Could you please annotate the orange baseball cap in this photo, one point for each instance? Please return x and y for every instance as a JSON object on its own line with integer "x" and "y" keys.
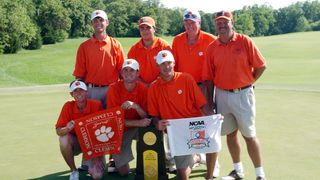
{"x": 224, "y": 15}
{"x": 147, "y": 21}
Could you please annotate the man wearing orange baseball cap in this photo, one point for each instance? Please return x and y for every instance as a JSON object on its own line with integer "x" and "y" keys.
{"x": 234, "y": 63}
{"x": 146, "y": 50}
{"x": 176, "y": 95}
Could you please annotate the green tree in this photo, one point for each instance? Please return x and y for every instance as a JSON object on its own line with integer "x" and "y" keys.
{"x": 263, "y": 19}
{"x": 243, "y": 22}
{"x": 302, "y": 25}
{"x": 208, "y": 23}
{"x": 79, "y": 12}
{"x": 16, "y": 27}
{"x": 53, "y": 20}
{"x": 175, "y": 21}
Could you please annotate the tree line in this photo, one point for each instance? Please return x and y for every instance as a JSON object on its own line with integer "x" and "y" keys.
{"x": 30, "y": 23}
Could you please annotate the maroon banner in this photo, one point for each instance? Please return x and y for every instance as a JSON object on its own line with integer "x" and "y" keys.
{"x": 100, "y": 133}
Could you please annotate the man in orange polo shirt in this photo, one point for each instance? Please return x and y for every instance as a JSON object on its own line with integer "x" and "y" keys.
{"x": 146, "y": 50}
{"x": 176, "y": 95}
{"x": 99, "y": 59}
{"x": 189, "y": 50}
{"x": 69, "y": 145}
{"x": 234, "y": 63}
{"x": 131, "y": 95}
{"x": 190, "y": 46}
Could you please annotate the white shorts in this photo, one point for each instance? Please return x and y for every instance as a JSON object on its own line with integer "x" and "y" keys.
{"x": 239, "y": 111}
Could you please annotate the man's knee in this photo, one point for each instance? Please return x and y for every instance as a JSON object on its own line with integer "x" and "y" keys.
{"x": 123, "y": 170}
{"x": 97, "y": 175}
{"x": 65, "y": 141}
{"x": 251, "y": 139}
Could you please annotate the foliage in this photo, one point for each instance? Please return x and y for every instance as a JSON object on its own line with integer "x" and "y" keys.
{"x": 16, "y": 27}
{"x": 49, "y": 21}
{"x": 53, "y": 20}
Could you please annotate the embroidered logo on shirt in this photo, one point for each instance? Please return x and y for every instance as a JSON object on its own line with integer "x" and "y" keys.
{"x": 200, "y": 53}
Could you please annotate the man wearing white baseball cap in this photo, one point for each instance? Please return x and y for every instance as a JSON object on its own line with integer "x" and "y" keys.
{"x": 131, "y": 95}
{"x": 98, "y": 62}
{"x": 99, "y": 59}
{"x": 176, "y": 95}
{"x": 69, "y": 146}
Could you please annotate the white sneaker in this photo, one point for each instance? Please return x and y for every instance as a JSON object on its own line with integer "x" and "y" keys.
{"x": 74, "y": 175}
{"x": 202, "y": 158}
{"x": 216, "y": 170}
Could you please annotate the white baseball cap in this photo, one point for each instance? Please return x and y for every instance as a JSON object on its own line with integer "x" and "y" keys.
{"x": 191, "y": 15}
{"x": 77, "y": 84}
{"x": 132, "y": 63}
{"x": 164, "y": 56}
{"x": 99, "y": 13}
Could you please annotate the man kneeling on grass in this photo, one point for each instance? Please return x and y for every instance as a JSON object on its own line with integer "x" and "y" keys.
{"x": 69, "y": 145}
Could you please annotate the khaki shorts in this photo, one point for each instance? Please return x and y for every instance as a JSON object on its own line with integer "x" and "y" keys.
{"x": 239, "y": 111}
{"x": 126, "y": 154}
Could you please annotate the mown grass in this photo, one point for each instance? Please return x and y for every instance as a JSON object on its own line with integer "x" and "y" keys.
{"x": 292, "y": 59}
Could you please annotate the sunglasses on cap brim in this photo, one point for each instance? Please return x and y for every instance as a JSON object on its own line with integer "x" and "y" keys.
{"x": 189, "y": 16}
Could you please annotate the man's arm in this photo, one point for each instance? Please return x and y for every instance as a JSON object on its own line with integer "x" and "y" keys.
{"x": 133, "y": 105}
{"x": 258, "y": 72}
{"x": 62, "y": 131}
{"x": 137, "y": 123}
{"x": 210, "y": 94}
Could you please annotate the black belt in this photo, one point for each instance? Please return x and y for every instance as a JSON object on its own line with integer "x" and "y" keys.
{"x": 90, "y": 85}
{"x": 238, "y": 89}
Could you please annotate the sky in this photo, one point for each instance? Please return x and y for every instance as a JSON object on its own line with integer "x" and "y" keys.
{"x": 211, "y": 6}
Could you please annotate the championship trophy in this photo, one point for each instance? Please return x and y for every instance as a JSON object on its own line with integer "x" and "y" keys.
{"x": 150, "y": 155}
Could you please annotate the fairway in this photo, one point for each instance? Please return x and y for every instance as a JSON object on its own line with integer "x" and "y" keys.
{"x": 33, "y": 88}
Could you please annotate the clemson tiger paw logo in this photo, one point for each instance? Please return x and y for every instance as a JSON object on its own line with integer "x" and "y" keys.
{"x": 104, "y": 134}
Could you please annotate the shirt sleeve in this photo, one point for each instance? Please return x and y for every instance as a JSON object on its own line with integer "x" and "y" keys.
{"x": 64, "y": 116}
{"x": 80, "y": 65}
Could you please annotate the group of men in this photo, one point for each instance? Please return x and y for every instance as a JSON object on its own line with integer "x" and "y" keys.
{"x": 202, "y": 74}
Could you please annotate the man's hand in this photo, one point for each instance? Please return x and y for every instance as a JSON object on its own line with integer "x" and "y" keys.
{"x": 70, "y": 125}
{"x": 162, "y": 125}
{"x": 129, "y": 105}
{"x": 144, "y": 122}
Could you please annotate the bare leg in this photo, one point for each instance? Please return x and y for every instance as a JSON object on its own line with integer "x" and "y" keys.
{"x": 211, "y": 161}
{"x": 66, "y": 151}
{"x": 234, "y": 146}
{"x": 183, "y": 174}
{"x": 123, "y": 170}
{"x": 254, "y": 150}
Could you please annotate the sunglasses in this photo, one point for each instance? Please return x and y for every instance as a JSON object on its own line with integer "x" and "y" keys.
{"x": 189, "y": 16}
{"x": 223, "y": 13}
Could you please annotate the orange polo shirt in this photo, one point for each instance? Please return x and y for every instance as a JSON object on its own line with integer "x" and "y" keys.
{"x": 99, "y": 62}
{"x": 190, "y": 59}
{"x": 117, "y": 95}
{"x": 146, "y": 58}
{"x": 70, "y": 112}
{"x": 178, "y": 98}
{"x": 231, "y": 65}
